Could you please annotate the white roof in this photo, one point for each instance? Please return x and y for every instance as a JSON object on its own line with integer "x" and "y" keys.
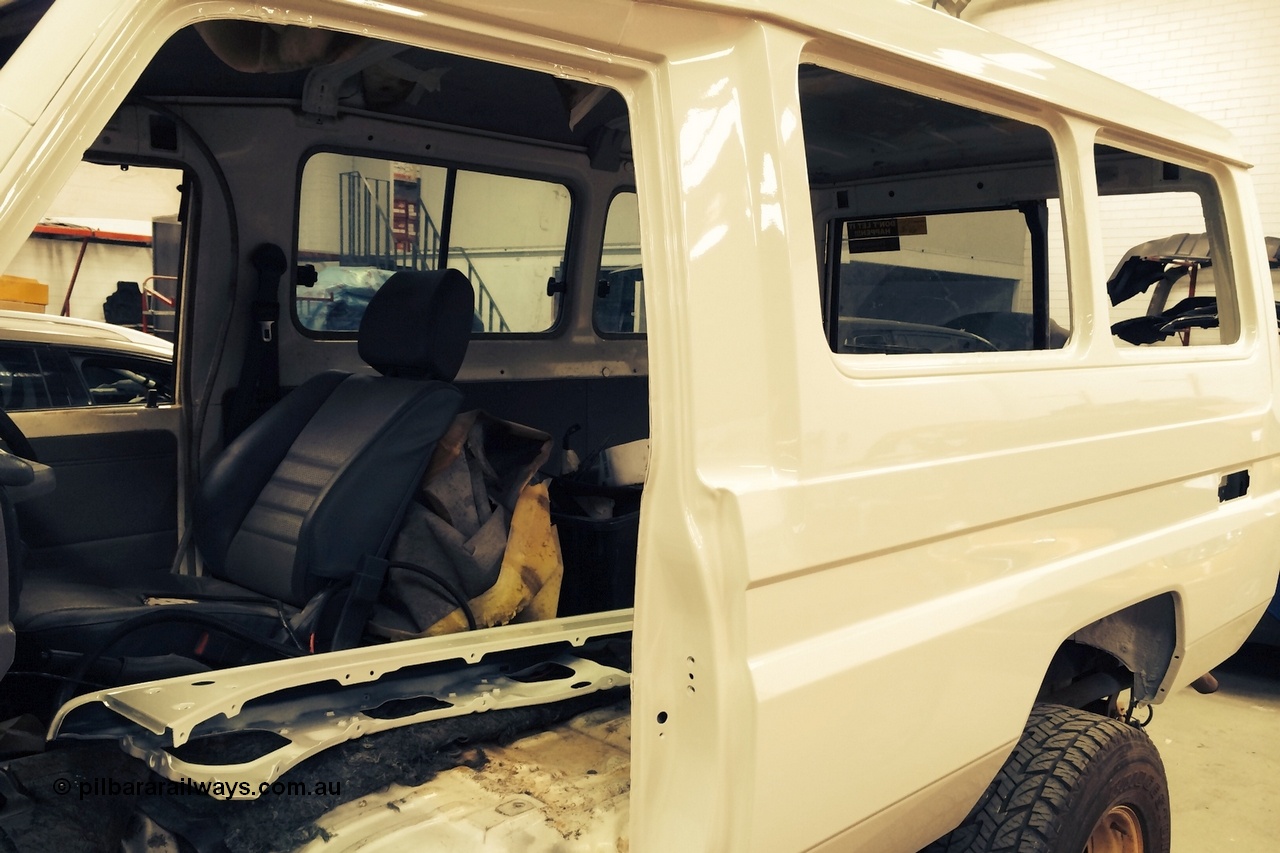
{"x": 71, "y": 331}
{"x": 907, "y": 28}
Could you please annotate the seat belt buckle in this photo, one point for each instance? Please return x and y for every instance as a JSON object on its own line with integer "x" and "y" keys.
{"x": 266, "y": 314}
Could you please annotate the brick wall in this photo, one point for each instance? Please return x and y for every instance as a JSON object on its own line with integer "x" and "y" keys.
{"x": 1220, "y": 60}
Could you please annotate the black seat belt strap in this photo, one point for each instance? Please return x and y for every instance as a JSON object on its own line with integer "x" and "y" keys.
{"x": 260, "y": 372}
{"x": 366, "y": 583}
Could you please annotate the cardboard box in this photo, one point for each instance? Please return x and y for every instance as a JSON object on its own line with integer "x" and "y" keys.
{"x": 15, "y": 288}
{"x": 13, "y": 305}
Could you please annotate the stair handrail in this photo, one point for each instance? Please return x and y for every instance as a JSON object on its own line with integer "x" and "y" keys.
{"x": 486, "y": 307}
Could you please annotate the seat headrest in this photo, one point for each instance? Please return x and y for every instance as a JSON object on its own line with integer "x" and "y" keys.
{"x": 418, "y": 325}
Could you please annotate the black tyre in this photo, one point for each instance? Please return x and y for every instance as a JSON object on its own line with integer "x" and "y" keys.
{"x": 1076, "y": 783}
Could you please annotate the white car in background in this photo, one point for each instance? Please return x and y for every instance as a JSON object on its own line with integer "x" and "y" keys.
{"x": 49, "y": 362}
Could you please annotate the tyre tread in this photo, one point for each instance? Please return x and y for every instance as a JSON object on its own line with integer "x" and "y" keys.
{"x": 1025, "y": 807}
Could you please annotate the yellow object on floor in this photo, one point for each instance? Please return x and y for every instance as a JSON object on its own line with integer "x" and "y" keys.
{"x": 528, "y": 584}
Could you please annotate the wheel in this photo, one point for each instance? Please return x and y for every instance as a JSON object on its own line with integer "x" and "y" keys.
{"x": 1075, "y": 783}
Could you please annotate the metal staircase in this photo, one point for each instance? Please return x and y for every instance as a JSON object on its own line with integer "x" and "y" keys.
{"x": 367, "y": 237}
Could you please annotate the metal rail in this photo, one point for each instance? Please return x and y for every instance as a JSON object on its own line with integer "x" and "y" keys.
{"x": 367, "y": 238}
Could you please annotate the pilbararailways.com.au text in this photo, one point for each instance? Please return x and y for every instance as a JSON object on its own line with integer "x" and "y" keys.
{"x": 100, "y": 787}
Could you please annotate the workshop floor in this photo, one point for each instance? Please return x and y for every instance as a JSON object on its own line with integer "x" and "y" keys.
{"x": 1222, "y": 756}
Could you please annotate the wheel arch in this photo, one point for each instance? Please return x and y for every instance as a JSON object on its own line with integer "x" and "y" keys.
{"x": 1137, "y": 644}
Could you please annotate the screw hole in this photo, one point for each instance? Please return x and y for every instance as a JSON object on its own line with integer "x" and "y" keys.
{"x": 662, "y": 717}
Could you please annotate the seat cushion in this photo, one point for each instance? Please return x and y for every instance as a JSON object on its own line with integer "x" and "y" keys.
{"x": 73, "y": 616}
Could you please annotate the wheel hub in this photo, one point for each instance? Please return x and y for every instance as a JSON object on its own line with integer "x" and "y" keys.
{"x": 1118, "y": 831}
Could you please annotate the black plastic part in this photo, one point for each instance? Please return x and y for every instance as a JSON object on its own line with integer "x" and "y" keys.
{"x": 1234, "y": 485}
{"x": 163, "y": 132}
{"x": 599, "y": 553}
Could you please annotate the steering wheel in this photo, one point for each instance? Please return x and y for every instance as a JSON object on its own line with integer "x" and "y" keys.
{"x": 12, "y": 435}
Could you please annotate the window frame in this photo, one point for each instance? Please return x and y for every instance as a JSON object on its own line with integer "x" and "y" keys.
{"x": 563, "y": 309}
{"x": 1068, "y": 179}
{"x": 1039, "y": 269}
{"x": 595, "y": 291}
{"x": 1216, "y": 226}
{"x": 79, "y": 355}
{"x": 65, "y": 364}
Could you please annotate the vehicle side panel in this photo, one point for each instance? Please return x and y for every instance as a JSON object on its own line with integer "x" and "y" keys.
{"x": 896, "y": 549}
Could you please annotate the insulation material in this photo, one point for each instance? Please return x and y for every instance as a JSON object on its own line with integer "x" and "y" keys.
{"x": 478, "y": 528}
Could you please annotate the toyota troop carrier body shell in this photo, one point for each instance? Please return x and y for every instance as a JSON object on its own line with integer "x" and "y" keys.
{"x": 903, "y": 481}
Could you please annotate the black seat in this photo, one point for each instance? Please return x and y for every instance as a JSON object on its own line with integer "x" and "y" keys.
{"x": 294, "y": 504}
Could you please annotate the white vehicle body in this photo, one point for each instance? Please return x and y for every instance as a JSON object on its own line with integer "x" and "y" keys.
{"x": 854, "y": 570}
{"x": 25, "y": 326}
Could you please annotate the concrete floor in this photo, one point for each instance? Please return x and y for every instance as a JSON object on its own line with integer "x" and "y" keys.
{"x": 1222, "y": 756}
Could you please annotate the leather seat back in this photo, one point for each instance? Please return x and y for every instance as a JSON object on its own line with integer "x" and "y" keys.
{"x": 323, "y": 478}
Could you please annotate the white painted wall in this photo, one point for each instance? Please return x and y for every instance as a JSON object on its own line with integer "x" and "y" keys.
{"x": 52, "y": 262}
{"x": 106, "y": 198}
{"x": 1220, "y": 60}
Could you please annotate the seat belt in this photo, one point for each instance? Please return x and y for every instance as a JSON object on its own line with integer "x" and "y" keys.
{"x": 259, "y": 385}
{"x": 366, "y": 583}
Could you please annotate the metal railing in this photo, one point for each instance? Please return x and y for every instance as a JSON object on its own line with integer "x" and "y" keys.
{"x": 366, "y": 237}
{"x": 149, "y": 297}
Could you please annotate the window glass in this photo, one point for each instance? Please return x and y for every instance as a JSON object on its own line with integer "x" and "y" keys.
{"x": 1171, "y": 282}
{"x": 364, "y": 218}
{"x": 619, "y": 305}
{"x": 62, "y": 378}
{"x": 950, "y": 282}
{"x": 942, "y": 222}
{"x": 116, "y": 380}
{"x": 47, "y": 376}
{"x": 22, "y": 382}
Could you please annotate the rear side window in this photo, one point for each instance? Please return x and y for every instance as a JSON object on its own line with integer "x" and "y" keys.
{"x": 363, "y": 218}
{"x": 1171, "y": 283}
{"x": 942, "y": 223}
{"x": 619, "y": 308}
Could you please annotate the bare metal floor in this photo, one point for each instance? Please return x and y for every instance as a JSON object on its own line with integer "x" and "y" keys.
{"x": 1222, "y": 756}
